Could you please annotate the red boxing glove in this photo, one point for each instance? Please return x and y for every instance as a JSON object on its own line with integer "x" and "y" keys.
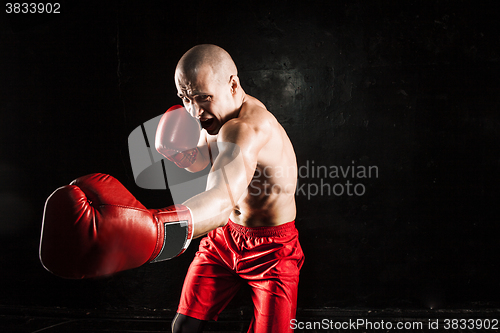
{"x": 177, "y": 136}
{"x": 95, "y": 227}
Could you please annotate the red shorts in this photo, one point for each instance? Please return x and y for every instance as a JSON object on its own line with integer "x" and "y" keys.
{"x": 268, "y": 259}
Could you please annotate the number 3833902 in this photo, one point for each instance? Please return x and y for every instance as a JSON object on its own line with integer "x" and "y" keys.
{"x": 32, "y": 8}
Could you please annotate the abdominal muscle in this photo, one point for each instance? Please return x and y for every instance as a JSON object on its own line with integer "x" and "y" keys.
{"x": 264, "y": 210}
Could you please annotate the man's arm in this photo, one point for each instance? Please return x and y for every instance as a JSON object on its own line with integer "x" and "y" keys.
{"x": 239, "y": 144}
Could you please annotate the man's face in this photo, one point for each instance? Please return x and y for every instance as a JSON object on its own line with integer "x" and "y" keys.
{"x": 205, "y": 97}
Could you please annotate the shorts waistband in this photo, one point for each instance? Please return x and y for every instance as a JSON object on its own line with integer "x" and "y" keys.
{"x": 280, "y": 230}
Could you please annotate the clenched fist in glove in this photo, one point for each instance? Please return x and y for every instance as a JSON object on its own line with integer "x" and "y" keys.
{"x": 95, "y": 227}
{"x": 177, "y": 136}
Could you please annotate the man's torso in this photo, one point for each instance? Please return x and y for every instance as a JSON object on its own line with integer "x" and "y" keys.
{"x": 270, "y": 199}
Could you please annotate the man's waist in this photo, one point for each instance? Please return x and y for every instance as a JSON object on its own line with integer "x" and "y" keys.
{"x": 263, "y": 231}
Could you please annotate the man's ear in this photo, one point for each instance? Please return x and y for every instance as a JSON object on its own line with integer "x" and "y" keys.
{"x": 234, "y": 81}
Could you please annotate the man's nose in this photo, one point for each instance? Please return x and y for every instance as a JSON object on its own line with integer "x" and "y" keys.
{"x": 196, "y": 111}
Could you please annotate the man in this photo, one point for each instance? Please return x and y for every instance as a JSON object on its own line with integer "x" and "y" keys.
{"x": 248, "y": 208}
{"x": 95, "y": 227}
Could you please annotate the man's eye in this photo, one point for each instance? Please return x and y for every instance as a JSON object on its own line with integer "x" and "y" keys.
{"x": 186, "y": 100}
{"x": 204, "y": 98}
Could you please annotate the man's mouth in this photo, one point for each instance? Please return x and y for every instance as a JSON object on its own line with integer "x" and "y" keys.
{"x": 207, "y": 123}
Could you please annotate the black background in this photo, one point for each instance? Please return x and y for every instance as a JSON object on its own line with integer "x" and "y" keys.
{"x": 409, "y": 87}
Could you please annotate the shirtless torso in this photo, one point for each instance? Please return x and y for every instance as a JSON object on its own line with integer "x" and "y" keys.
{"x": 270, "y": 199}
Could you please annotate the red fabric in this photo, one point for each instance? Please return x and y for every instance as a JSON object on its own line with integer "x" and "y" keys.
{"x": 267, "y": 258}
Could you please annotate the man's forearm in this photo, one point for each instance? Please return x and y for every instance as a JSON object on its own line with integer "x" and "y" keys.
{"x": 210, "y": 209}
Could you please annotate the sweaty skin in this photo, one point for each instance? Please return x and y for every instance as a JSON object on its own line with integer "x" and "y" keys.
{"x": 254, "y": 172}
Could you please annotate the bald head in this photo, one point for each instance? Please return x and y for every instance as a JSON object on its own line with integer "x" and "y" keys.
{"x": 207, "y": 57}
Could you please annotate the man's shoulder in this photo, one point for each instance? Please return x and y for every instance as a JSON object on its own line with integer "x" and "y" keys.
{"x": 254, "y": 122}
{"x": 255, "y": 115}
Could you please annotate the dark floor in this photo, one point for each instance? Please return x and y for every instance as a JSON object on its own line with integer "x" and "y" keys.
{"x": 308, "y": 320}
